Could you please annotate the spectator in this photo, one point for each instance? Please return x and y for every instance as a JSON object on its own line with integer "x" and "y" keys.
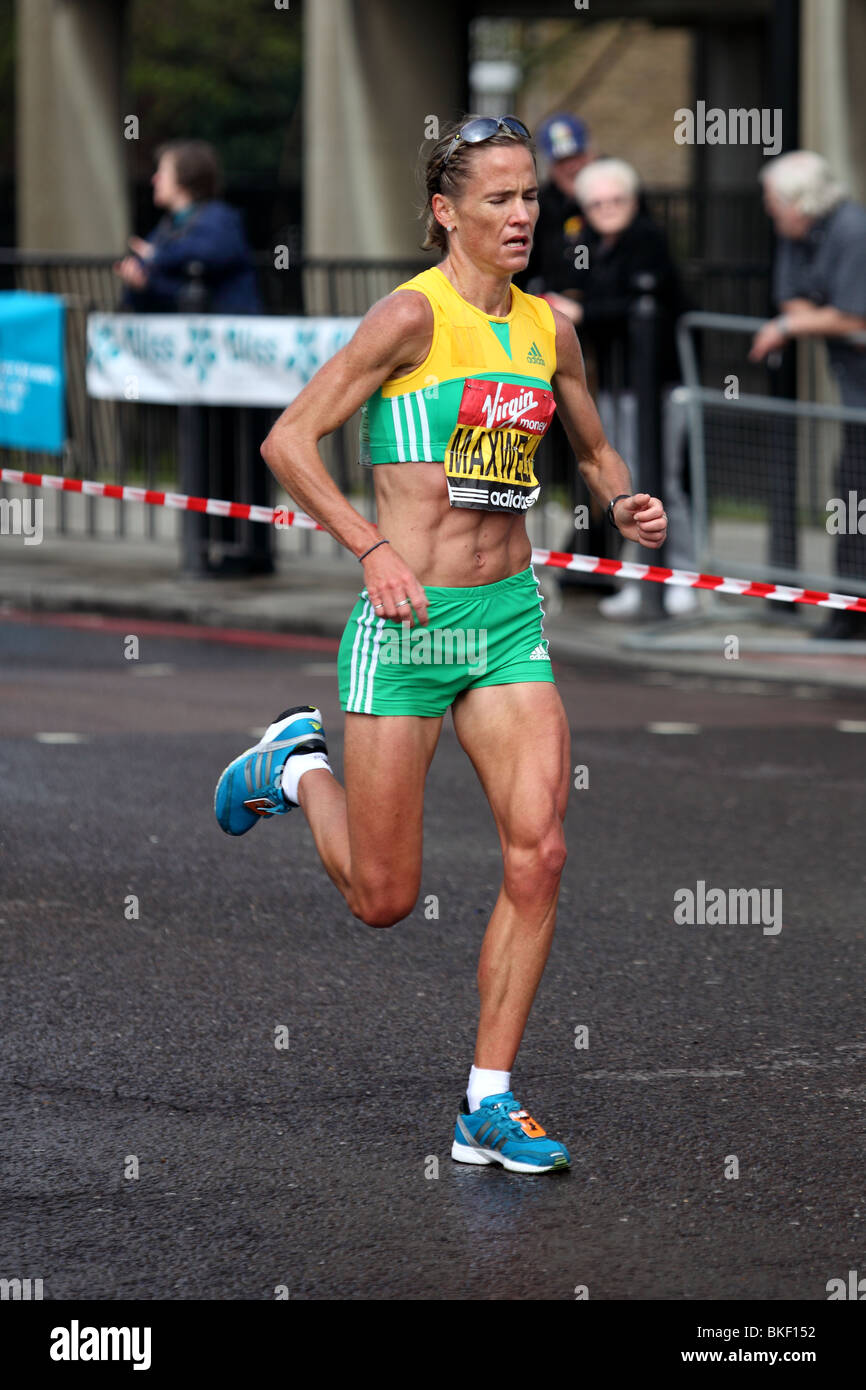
{"x": 197, "y": 229}
{"x": 625, "y": 246}
{"x": 196, "y": 260}
{"x": 819, "y": 283}
{"x": 564, "y": 141}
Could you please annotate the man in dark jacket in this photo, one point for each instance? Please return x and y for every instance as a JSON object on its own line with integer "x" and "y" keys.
{"x": 197, "y": 256}
{"x": 564, "y": 142}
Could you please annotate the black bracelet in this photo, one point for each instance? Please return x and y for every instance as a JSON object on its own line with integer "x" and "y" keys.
{"x": 612, "y": 504}
{"x": 372, "y": 548}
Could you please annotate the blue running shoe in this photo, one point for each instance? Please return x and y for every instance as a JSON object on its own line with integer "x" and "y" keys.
{"x": 501, "y": 1131}
{"x": 250, "y": 786}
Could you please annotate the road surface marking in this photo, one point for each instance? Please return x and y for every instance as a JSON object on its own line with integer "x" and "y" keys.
{"x": 673, "y": 728}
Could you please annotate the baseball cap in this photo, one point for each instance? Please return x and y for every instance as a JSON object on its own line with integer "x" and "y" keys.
{"x": 562, "y": 135}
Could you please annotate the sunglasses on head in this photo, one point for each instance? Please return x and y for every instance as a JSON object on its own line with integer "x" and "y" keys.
{"x": 484, "y": 128}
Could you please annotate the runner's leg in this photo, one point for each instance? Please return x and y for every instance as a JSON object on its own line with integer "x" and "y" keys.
{"x": 527, "y": 788}
{"x": 369, "y": 834}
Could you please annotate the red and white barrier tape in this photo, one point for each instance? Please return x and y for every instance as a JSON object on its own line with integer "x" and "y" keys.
{"x": 555, "y": 559}
{"x": 243, "y": 511}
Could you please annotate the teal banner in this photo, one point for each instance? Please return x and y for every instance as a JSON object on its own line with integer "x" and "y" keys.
{"x": 32, "y": 384}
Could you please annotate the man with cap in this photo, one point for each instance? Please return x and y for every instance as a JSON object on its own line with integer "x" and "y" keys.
{"x": 564, "y": 142}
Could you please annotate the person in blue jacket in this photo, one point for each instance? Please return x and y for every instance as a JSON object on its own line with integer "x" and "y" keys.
{"x": 197, "y": 257}
{"x": 197, "y": 260}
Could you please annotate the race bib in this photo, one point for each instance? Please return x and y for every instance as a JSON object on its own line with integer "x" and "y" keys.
{"x": 489, "y": 458}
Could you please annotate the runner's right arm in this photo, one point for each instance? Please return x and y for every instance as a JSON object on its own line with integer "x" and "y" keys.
{"x": 395, "y": 333}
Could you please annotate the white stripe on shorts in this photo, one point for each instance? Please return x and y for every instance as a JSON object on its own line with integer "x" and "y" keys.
{"x": 362, "y": 677}
{"x": 540, "y": 594}
{"x": 367, "y": 613}
{"x": 374, "y": 659}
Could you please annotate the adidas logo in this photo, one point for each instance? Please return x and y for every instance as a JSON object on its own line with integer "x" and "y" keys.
{"x": 540, "y": 653}
{"x": 535, "y": 356}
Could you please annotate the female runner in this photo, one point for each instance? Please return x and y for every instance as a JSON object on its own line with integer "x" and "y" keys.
{"x": 459, "y": 373}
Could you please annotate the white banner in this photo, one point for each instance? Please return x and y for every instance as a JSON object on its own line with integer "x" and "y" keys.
{"x": 213, "y": 359}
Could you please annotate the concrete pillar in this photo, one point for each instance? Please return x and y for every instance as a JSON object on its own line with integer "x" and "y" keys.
{"x": 729, "y": 75}
{"x": 374, "y": 73}
{"x": 826, "y": 96}
{"x": 833, "y": 108}
{"x": 854, "y": 54}
{"x": 70, "y": 149}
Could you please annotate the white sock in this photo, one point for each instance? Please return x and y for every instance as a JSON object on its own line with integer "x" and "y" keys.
{"x": 485, "y": 1083}
{"x": 295, "y": 768}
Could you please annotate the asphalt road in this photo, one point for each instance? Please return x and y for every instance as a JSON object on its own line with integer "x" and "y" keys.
{"x": 148, "y": 1044}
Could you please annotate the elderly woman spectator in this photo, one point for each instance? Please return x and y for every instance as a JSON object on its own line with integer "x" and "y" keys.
{"x": 625, "y": 248}
{"x": 819, "y": 283}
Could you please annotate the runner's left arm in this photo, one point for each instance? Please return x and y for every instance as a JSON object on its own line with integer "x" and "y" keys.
{"x": 638, "y": 516}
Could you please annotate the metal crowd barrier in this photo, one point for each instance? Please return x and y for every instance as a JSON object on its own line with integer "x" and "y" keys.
{"x": 139, "y": 443}
{"x": 765, "y": 469}
{"x": 143, "y": 443}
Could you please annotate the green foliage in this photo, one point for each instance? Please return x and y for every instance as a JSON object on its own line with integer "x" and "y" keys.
{"x": 227, "y": 71}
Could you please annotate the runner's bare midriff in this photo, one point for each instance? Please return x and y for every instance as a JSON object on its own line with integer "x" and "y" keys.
{"x": 444, "y": 545}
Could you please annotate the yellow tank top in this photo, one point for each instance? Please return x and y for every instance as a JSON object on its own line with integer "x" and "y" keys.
{"x": 479, "y": 403}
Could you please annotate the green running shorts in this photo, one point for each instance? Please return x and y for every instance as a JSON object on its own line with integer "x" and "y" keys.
{"x": 487, "y": 634}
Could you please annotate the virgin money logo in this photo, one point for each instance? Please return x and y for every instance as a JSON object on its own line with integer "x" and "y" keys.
{"x": 501, "y": 405}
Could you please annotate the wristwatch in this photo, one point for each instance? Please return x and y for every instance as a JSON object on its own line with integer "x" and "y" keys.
{"x": 610, "y": 506}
